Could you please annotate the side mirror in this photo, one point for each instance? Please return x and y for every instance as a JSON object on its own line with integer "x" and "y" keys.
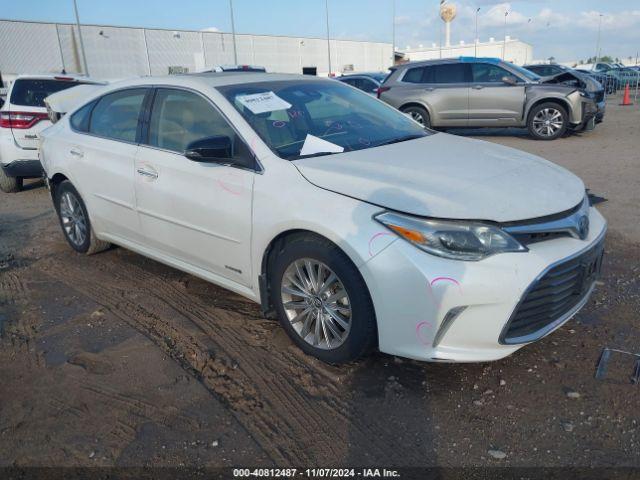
{"x": 211, "y": 149}
{"x": 221, "y": 149}
{"x": 509, "y": 80}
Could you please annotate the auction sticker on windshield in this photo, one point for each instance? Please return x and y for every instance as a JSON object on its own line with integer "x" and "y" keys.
{"x": 263, "y": 102}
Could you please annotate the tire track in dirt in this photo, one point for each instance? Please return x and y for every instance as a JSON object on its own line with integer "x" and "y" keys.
{"x": 262, "y": 386}
{"x": 308, "y": 379}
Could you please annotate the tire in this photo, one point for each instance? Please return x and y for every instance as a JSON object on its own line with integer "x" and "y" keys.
{"x": 72, "y": 213}
{"x": 419, "y": 114}
{"x": 9, "y": 184}
{"x": 335, "y": 343}
{"x": 551, "y": 112}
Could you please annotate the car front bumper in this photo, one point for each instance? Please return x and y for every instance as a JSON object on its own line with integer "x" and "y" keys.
{"x": 435, "y": 309}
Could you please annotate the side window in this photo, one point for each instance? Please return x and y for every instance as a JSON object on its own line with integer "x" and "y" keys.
{"x": 413, "y": 75}
{"x": 179, "y": 118}
{"x": 349, "y": 81}
{"x": 80, "y": 120}
{"x": 116, "y": 115}
{"x": 450, "y": 73}
{"x": 487, "y": 73}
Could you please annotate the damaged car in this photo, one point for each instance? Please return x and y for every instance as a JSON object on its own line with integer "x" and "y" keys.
{"x": 487, "y": 92}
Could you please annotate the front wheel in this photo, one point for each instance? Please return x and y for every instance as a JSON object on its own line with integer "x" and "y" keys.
{"x": 322, "y": 301}
{"x": 9, "y": 184}
{"x": 547, "y": 121}
{"x": 74, "y": 220}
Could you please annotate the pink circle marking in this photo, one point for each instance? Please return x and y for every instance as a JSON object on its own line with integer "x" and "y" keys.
{"x": 419, "y": 327}
{"x": 232, "y": 189}
{"x": 379, "y": 234}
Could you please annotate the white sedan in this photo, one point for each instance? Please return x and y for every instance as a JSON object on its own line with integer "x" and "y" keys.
{"x": 354, "y": 225}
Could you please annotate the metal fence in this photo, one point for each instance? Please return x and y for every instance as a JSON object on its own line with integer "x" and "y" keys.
{"x": 117, "y": 52}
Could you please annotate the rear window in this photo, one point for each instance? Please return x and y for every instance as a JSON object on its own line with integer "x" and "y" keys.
{"x": 32, "y": 92}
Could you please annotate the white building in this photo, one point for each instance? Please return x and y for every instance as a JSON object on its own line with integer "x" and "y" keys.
{"x": 515, "y": 51}
{"x": 119, "y": 52}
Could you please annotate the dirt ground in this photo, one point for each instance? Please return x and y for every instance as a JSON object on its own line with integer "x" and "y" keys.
{"x": 117, "y": 360}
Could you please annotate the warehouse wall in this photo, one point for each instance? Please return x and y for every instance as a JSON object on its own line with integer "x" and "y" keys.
{"x": 117, "y": 52}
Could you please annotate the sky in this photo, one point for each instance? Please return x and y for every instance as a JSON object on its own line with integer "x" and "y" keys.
{"x": 564, "y": 29}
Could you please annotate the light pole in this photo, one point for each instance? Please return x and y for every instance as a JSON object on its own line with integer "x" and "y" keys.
{"x": 598, "y": 42}
{"x": 393, "y": 33}
{"x": 326, "y": 6}
{"x": 504, "y": 44}
{"x": 84, "y": 56}
{"x": 233, "y": 33}
{"x": 475, "y": 41}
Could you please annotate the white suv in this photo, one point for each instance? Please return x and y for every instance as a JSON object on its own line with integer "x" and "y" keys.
{"x": 22, "y": 117}
{"x": 346, "y": 218}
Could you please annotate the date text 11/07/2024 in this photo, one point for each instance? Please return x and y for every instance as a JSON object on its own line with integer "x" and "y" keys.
{"x": 315, "y": 473}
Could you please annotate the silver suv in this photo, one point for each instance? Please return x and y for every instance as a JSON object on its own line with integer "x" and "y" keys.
{"x": 486, "y": 92}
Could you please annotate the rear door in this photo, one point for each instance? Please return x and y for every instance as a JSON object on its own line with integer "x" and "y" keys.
{"x": 493, "y": 102}
{"x": 103, "y": 151}
{"x": 197, "y": 213}
{"x": 27, "y": 109}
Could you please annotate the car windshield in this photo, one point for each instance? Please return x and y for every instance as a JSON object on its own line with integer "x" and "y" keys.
{"x": 300, "y": 119}
{"x": 534, "y": 77}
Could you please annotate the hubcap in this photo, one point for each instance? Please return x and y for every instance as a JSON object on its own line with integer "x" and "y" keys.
{"x": 417, "y": 117}
{"x": 73, "y": 220}
{"x": 316, "y": 303}
{"x": 547, "y": 122}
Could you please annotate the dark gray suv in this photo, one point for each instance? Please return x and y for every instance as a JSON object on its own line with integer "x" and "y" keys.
{"x": 486, "y": 92}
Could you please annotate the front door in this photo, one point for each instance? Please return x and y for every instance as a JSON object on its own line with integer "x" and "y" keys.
{"x": 492, "y": 101}
{"x": 197, "y": 213}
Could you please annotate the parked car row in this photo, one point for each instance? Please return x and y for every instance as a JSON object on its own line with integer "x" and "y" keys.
{"x": 618, "y": 76}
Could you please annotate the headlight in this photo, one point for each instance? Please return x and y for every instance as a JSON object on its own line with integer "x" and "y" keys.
{"x": 451, "y": 239}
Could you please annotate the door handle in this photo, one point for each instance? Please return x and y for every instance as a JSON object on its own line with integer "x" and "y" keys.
{"x": 76, "y": 152}
{"x": 147, "y": 173}
{"x": 478, "y": 87}
{"x": 429, "y": 89}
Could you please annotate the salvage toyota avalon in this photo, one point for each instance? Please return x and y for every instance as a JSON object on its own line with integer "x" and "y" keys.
{"x": 346, "y": 219}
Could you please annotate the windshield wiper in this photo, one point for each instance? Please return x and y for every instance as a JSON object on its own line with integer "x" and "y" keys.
{"x": 400, "y": 139}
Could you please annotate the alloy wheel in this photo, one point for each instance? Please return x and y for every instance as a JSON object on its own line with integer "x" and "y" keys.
{"x": 548, "y": 122}
{"x": 417, "y": 116}
{"x": 316, "y": 303}
{"x": 73, "y": 219}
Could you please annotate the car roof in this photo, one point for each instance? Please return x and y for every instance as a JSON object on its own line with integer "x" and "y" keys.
{"x": 55, "y": 76}
{"x": 364, "y": 74}
{"x": 439, "y": 61}
{"x": 214, "y": 79}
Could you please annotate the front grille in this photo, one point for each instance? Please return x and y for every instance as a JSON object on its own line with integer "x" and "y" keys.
{"x": 553, "y": 295}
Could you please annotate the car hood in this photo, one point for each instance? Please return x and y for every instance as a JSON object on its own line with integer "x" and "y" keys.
{"x": 586, "y": 83}
{"x": 446, "y": 176}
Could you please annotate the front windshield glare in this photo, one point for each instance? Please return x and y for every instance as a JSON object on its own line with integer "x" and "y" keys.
{"x": 300, "y": 119}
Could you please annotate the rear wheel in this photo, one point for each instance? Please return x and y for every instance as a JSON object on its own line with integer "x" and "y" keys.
{"x": 9, "y": 184}
{"x": 321, "y": 299}
{"x": 74, "y": 220}
{"x": 419, "y": 114}
{"x": 547, "y": 121}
